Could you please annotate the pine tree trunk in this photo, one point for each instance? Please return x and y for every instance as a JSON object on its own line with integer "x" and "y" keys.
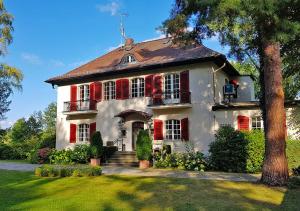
{"x": 275, "y": 167}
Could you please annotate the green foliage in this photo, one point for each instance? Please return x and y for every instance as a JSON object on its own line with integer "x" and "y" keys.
{"x": 97, "y": 143}
{"x": 228, "y": 152}
{"x": 189, "y": 160}
{"x": 49, "y": 118}
{"x": 143, "y": 145}
{"x": 19, "y": 131}
{"x": 294, "y": 183}
{"x": 255, "y": 150}
{"x": 80, "y": 154}
{"x": 67, "y": 171}
{"x": 61, "y": 157}
{"x": 296, "y": 171}
{"x": 293, "y": 153}
{"x": 7, "y": 152}
{"x": 47, "y": 139}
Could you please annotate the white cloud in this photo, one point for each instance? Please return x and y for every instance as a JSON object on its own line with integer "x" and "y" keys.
{"x": 112, "y": 7}
{"x": 31, "y": 58}
{"x": 6, "y": 124}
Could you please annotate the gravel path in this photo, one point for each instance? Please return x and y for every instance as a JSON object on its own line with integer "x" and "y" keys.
{"x": 151, "y": 172}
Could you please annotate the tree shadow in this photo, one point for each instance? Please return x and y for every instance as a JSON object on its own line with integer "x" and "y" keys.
{"x": 21, "y": 190}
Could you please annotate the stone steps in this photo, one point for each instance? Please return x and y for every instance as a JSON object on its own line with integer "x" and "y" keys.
{"x": 122, "y": 158}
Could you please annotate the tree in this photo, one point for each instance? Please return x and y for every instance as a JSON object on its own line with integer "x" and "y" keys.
{"x": 19, "y": 131}
{"x": 49, "y": 118}
{"x": 257, "y": 30}
{"x": 10, "y": 77}
{"x": 34, "y": 123}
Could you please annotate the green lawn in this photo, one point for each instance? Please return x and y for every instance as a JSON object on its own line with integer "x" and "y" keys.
{"x": 23, "y": 191}
{"x": 14, "y": 161}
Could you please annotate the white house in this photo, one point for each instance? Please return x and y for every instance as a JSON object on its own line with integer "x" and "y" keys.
{"x": 182, "y": 94}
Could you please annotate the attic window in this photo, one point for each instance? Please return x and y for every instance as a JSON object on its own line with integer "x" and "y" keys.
{"x": 128, "y": 59}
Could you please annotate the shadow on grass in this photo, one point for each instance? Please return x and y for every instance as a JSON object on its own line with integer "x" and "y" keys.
{"x": 21, "y": 190}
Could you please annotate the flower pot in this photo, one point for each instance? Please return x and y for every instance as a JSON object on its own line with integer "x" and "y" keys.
{"x": 144, "y": 164}
{"x": 95, "y": 161}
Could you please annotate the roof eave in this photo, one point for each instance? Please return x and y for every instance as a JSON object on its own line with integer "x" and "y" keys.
{"x": 217, "y": 59}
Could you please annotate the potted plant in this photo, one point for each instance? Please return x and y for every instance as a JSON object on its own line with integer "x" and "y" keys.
{"x": 144, "y": 149}
{"x": 96, "y": 148}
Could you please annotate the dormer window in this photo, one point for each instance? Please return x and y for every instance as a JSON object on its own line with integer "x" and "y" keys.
{"x": 127, "y": 59}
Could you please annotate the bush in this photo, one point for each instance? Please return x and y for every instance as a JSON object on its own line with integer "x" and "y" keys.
{"x": 293, "y": 153}
{"x": 67, "y": 171}
{"x": 7, "y": 152}
{"x": 97, "y": 143}
{"x": 143, "y": 145}
{"x": 190, "y": 160}
{"x": 228, "y": 152}
{"x": 80, "y": 154}
{"x": 255, "y": 150}
{"x": 47, "y": 140}
{"x": 61, "y": 157}
{"x": 296, "y": 171}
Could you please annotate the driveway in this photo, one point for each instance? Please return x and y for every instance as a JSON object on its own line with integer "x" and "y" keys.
{"x": 131, "y": 171}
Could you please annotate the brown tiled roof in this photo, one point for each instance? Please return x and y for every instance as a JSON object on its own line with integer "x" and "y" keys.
{"x": 161, "y": 52}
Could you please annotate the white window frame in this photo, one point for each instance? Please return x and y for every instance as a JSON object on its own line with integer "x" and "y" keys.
{"x": 172, "y": 88}
{"x": 128, "y": 59}
{"x": 172, "y": 129}
{"x": 83, "y": 97}
{"x": 83, "y": 133}
{"x": 256, "y": 122}
{"x": 137, "y": 87}
{"x": 109, "y": 90}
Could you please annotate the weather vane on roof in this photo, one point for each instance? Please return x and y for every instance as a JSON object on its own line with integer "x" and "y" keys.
{"x": 122, "y": 29}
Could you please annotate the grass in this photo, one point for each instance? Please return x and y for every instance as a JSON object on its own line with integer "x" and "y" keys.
{"x": 14, "y": 161}
{"x": 23, "y": 191}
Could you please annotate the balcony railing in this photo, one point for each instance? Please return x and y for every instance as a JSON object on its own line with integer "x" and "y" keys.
{"x": 80, "y": 105}
{"x": 169, "y": 98}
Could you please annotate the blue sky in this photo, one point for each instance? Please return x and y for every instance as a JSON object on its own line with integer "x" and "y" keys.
{"x": 52, "y": 37}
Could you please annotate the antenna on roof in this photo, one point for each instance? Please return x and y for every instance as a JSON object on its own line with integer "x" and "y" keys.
{"x": 122, "y": 29}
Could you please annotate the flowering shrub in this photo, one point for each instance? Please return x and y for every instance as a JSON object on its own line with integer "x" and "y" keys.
{"x": 61, "y": 157}
{"x": 192, "y": 161}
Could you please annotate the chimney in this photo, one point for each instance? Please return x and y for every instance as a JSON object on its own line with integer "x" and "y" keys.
{"x": 129, "y": 44}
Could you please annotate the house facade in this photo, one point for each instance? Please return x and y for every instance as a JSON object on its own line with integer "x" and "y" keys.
{"x": 181, "y": 94}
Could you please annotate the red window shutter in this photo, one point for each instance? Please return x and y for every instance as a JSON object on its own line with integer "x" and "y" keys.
{"x": 157, "y": 90}
{"x": 73, "y": 98}
{"x": 184, "y": 129}
{"x": 149, "y": 85}
{"x": 72, "y": 133}
{"x": 92, "y": 129}
{"x": 92, "y": 96}
{"x": 125, "y": 88}
{"x": 119, "y": 89}
{"x": 98, "y": 91}
{"x": 243, "y": 122}
{"x": 184, "y": 87}
{"x": 158, "y": 129}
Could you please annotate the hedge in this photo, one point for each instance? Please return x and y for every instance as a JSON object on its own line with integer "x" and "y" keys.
{"x": 67, "y": 171}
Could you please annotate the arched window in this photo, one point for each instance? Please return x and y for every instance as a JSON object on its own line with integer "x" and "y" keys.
{"x": 138, "y": 87}
{"x": 127, "y": 59}
{"x": 173, "y": 129}
{"x": 83, "y": 132}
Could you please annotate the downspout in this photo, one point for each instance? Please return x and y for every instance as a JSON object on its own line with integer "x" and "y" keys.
{"x": 214, "y": 90}
{"x": 214, "y": 80}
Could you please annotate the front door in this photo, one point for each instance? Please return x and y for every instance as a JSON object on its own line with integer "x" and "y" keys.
{"x": 136, "y": 127}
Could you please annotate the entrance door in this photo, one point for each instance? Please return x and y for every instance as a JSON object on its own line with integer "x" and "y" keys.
{"x": 136, "y": 127}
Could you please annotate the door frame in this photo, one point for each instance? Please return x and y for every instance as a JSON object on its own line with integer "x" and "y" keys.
{"x": 133, "y": 142}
